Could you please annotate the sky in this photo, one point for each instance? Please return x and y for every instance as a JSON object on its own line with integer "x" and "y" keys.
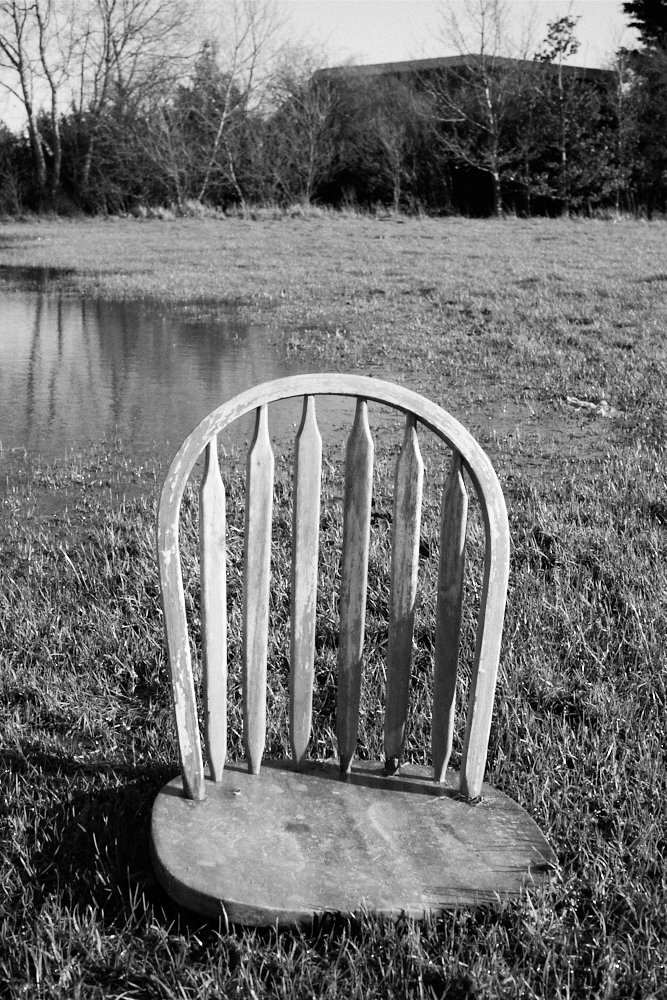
{"x": 370, "y": 31}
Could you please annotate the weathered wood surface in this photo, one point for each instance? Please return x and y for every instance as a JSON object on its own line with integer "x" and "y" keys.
{"x": 408, "y": 488}
{"x": 288, "y": 846}
{"x": 305, "y": 539}
{"x": 178, "y": 644}
{"x": 212, "y": 557}
{"x": 485, "y": 483}
{"x": 449, "y": 608}
{"x": 256, "y": 582}
{"x": 291, "y": 845}
{"x": 353, "y": 584}
{"x": 487, "y": 648}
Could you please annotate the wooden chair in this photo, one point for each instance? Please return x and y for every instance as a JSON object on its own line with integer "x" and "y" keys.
{"x": 305, "y": 836}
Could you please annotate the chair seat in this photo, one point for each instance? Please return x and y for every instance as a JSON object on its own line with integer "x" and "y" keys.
{"x": 287, "y": 846}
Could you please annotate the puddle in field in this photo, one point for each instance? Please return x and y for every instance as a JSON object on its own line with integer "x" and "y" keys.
{"x": 77, "y": 372}
{"x": 74, "y": 371}
{"x": 136, "y": 377}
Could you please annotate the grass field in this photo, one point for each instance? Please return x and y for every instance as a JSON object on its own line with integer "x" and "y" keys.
{"x": 514, "y": 326}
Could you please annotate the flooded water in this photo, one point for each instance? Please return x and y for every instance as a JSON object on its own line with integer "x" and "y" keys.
{"x": 77, "y": 371}
{"x": 137, "y": 377}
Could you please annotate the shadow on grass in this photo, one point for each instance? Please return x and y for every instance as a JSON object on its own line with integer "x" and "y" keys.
{"x": 90, "y": 839}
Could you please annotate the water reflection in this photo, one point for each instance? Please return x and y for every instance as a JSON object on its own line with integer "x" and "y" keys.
{"x": 75, "y": 371}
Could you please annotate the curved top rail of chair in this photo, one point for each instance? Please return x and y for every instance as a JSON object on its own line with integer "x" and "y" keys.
{"x": 496, "y": 561}
{"x": 438, "y": 420}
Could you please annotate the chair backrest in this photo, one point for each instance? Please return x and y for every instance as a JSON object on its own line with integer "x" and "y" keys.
{"x": 466, "y": 455}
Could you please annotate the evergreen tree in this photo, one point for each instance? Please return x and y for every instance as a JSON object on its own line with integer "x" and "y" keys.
{"x": 650, "y": 19}
{"x": 650, "y": 66}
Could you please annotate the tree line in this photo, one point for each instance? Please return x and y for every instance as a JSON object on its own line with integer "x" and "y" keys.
{"x": 120, "y": 114}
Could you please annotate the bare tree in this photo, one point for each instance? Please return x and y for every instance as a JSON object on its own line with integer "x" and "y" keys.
{"x": 127, "y": 52}
{"x": 24, "y": 57}
{"x": 398, "y": 108}
{"x": 300, "y": 138}
{"x": 248, "y": 36}
{"x": 474, "y": 100}
{"x": 558, "y": 46}
{"x": 91, "y": 55}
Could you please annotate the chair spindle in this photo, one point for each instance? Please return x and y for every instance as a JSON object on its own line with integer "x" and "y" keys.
{"x": 448, "y": 615}
{"x": 214, "y": 609}
{"x": 352, "y": 600}
{"x": 305, "y": 540}
{"x": 256, "y": 573}
{"x": 408, "y": 488}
